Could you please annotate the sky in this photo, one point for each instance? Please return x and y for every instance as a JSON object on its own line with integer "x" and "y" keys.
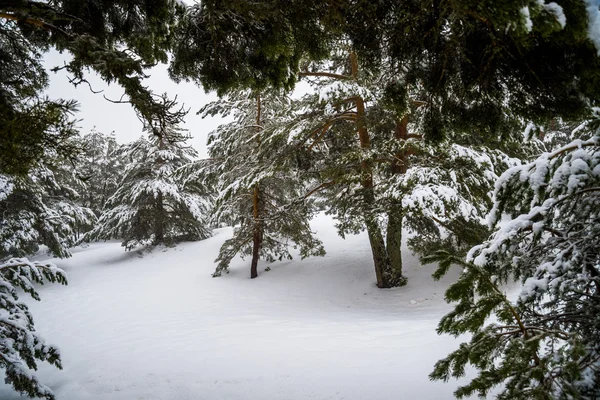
{"x": 95, "y": 112}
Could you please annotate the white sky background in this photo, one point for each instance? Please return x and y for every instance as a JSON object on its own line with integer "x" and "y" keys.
{"x": 107, "y": 117}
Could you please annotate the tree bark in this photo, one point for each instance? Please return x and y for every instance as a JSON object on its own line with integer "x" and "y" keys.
{"x": 394, "y": 246}
{"x": 159, "y": 222}
{"x": 395, "y": 217}
{"x": 380, "y": 257}
{"x": 257, "y": 234}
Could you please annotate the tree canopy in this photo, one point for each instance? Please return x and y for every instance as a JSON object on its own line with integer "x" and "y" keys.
{"x": 472, "y": 60}
{"x": 116, "y": 39}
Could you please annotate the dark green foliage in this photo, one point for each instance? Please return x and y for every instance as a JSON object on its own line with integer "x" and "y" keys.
{"x": 29, "y": 123}
{"x": 33, "y": 127}
{"x": 94, "y": 33}
{"x": 234, "y": 44}
{"x": 472, "y": 60}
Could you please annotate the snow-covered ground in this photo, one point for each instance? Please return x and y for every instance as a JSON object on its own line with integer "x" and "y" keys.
{"x": 133, "y": 325}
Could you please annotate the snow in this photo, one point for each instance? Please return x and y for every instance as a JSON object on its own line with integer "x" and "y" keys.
{"x": 593, "y": 10}
{"x": 139, "y": 325}
{"x": 557, "y": 10}
{"x": 552, "y": 8}
{"x": 527, "y": 17}
{"x": 530, "y": 126}
{"x": 6, "y": 187}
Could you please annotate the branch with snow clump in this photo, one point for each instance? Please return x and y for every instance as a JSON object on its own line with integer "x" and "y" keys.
{"x": 20, "y": 345}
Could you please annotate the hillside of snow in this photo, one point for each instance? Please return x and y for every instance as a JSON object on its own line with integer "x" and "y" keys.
{"x": 156, "y": 325}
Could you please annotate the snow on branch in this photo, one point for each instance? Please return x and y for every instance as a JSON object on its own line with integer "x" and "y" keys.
{"x": 20, "y": 346}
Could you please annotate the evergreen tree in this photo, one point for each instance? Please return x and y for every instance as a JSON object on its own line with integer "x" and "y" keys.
{"x": 37, "y": 209}
{"x": 116, "y": 39}
{"x": 21, "y": 347}
{"x": 340, "y": 108}
{"x": 41, "y": 208}
{"x": 377, "y": 173}
{"x": 228, "y": 45}
{"x": 152, "y": 205}
{"x": 544, "y": 344}
{"x": 444, "y": 194}
{"x": 471, "y": 58}
{"x": 100, "y": 168}
{"x": 30, "y": 124}
{"x": 259, "y": 187}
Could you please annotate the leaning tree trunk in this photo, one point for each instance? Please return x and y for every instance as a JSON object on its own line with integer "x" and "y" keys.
{"x": 257, "y": 234}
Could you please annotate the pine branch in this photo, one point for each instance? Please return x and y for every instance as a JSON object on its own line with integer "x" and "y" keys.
{"x": 35, "y": 22}
{"x": 325, "y": 75}
{"x": 319, "y": 188}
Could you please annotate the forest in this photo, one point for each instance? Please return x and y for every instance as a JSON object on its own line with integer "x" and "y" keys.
{"x": 461, "y": 134}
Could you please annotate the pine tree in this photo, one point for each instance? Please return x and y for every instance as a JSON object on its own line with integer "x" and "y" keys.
{"x": 118, "y": 40}
{"x": 333, "y": 125}
{"x": 443, "y": 190}
{"x": 100, "y": 168}
{"x": 31, "y": 123}
{"x": 258, "y": 183}
{"x": 152, "y": 205}
{"x": 253, "y": 45}
{"x": 41, "y": 208}
{"x": 378, "y": 173}
{"x": 469, "y": 57}
{"x": 544, "y": 344}
{"x": 22, "y": 347}
{"x": 37, "y": 209}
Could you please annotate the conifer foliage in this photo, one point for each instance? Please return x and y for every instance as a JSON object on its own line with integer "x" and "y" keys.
{"x": 545, "y": 344}
{"x": 41, "y": 208}
{"x": 20, "y": 346}
{"x": 116, "y": 39}
{"x": 152, "y": 205}
{"x": 99, "y": 167}
{"x": 377, "y": 173}
{"x": 256, "y": 173}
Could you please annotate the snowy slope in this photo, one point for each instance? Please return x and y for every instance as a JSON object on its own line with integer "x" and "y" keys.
{"x": 156, "y": 326}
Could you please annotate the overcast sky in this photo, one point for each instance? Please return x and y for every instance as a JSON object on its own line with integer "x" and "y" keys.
{"x": 121, "y": 119}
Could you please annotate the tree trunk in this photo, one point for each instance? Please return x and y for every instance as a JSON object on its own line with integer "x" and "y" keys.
{"x": 395, "y": 217}
{"x": 381, "y": 260}
{"x": 394, "y": 246}
{"x": 380, "y": 257}
{"x": 257, "y": 234}
{"x": 159, "y": 222}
